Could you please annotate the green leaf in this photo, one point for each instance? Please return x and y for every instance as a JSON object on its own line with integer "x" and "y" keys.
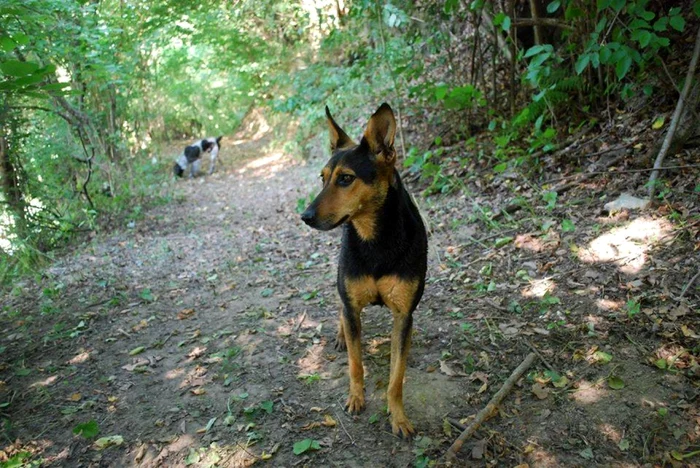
{"x": 374, "y": 418}
{"x": 602, "y": 357}
{"x": 192, "y": 457}
{"x": 618, "y": 5}
{"x": 623, "y": 66}
{"x": 647, "y": 15}
{"x": 568, "y": 226}
{"x": 104, "y": 442}
{"x": 441, "y": 92}
{"x": 616, "y": 383}
{"x": 88, "y": 430}
{"x": 267, "y": 292}
{"x": 677, "y": 22}
{"x": 304, "y": 445}
{"x": 18, "y": 68}
{"x": 602, "y": 5}
{"x": 137, "y": 350}
{"x": 498, "y": 168}
{"x": 146, "y": 295}
{"x": 582, "y": 63}
{"x": 210, "y": 424}
{"x": 6, "y": 44}
{"x": 501, "y": 241}
{"x": 660, "y": 24}
{"x": 267, "y": 406}
{"x": 624, "y": 445}
{"x": 553, "y": 6}
{"x": 587, "y": 453}
{"x": 661, "y": 363}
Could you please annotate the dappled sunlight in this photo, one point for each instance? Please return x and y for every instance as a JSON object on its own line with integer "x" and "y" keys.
{"x": 627, "y": 246}
{"x": 541, "y": 456}
{"x": 539, "y": 287}
{"x": 313, "y": 361}
{"x": 611, "y": 432}
{"x": 609, "y": 305}
{"x": 45, "y": 382}
{"x": 375, "y": 344}
{"x": 175, "y": 373}
{"x": 588, "y": 393}
{"x": 79, "y": 358}
{"x": 266, "y": 166}
{"x": 195, "y": 377}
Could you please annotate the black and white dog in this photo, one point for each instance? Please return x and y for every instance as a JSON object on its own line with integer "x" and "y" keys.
{"x": 192, "y": 156}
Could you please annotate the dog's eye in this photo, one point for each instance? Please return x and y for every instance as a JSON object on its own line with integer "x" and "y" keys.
{"x": 345, "y": 179}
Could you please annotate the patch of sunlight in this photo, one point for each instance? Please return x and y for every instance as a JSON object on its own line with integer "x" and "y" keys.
{"x": 539, "y": 287}
{"x": 80, "y": 358}
{"x": 267, "y": 166}
{"x": 6, "y": 235}
{"x": 195, "y": 378}
{"x": 588, "y": 393}
{"x": 313, "y": 361}
{"x": 175, "y": 373}
{"x": 46, "y": 382}
{"x": 609, "y": 304}
{"x": 541, "y": 457}
{"x": 627, "y": 246}
{"x": 611, "y": 432}
{"x": 376, "y": 343}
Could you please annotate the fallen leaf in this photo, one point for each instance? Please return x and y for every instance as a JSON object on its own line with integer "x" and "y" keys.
{"x": 540, "y": 391}
{"x": 137, "y": 350}
{"x": 137, "y": 363}
{"x": 478, "y": 449}
{"x": 616, "y": 383}
{"x": 328, "y": 421}
{"x": 185, "y": 313}
{"x": 75, "y": 397}
{"x": 104, "y": 442}
{"x": 447, "y": 370}
{"x": 198, "y": 391}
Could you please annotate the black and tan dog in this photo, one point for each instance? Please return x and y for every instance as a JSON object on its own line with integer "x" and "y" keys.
{"x": 383, "y": 255}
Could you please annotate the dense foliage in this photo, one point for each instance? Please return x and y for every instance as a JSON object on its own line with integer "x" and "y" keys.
{"x": 89, "y": 89}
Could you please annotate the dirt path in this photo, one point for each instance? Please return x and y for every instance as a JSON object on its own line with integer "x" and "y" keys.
{"x": 202, "y": 336}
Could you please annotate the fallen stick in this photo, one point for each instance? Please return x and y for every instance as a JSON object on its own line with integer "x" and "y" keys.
{"x": 451, "y": 454}
{"x": 677, "y": 114}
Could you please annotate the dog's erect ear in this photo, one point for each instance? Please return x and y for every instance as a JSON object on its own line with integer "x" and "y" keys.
{"x": 380, "y": 134}
{"x": 218, "y": 140}
{"x": 339, "y": 139}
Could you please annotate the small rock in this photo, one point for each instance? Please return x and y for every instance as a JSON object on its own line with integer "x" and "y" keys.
{"x": 625, "y": 201}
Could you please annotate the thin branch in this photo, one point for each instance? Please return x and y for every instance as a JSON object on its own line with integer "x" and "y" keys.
{"x": 519, "y": 22}
{"x": 451, "y": 454}
{"x": 685, "y": 288}
{"x": 676, "y": 118}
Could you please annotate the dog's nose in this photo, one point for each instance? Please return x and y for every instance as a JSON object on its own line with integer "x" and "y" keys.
{"x": 308, "y": 216}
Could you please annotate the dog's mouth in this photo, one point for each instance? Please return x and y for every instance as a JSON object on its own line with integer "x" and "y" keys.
{"x": 327, "y": 225}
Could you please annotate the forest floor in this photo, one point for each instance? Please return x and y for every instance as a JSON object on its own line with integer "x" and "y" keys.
{"x": 201, "y": 334}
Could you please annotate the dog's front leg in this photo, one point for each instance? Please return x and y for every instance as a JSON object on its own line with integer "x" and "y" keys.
{"x": 400, "y": 345}
{"x": 352, "y": 328}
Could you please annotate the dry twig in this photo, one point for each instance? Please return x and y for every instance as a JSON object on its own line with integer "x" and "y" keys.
{"x": 451, "y": 454}
{"x": 676, "y": 118}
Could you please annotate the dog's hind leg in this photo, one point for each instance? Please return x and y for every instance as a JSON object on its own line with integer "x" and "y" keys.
{"x": 340, "y": 337}
{"x": 194, "y": 167}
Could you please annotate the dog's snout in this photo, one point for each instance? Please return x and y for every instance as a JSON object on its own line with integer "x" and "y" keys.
{"x": 309, "y": 216}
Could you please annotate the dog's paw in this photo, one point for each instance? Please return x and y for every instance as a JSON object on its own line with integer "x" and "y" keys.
{"x": 355, "y": 404}
{"x": 401, "y": 426}
{"x": 340, "y": 343}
